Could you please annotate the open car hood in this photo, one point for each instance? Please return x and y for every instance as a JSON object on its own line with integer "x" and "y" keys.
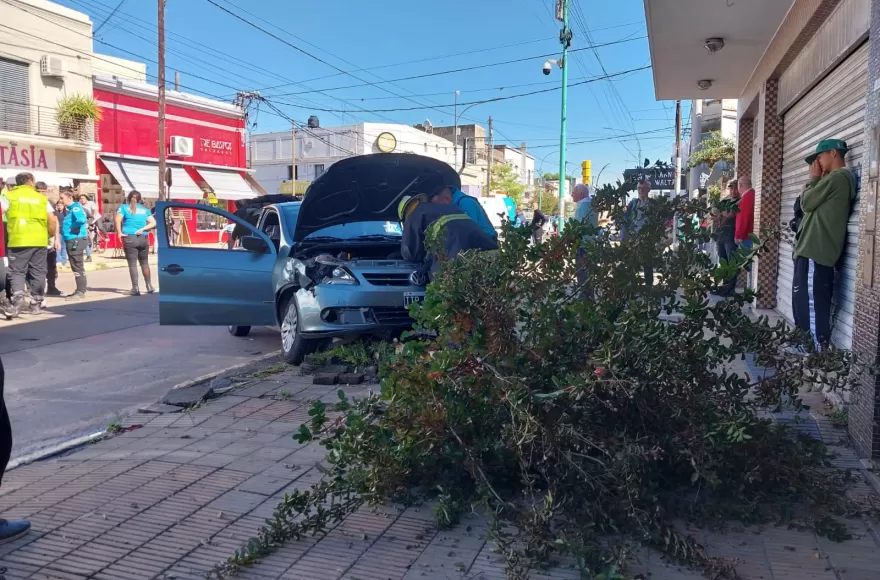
{"x": 368, "y": 188}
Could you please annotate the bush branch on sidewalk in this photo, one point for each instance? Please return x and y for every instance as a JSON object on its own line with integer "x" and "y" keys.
{"x": 588, "y": 419}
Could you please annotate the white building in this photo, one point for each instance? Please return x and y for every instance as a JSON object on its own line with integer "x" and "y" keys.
{"x": 707, "y": 116}
{"x": 317, "y": 149}
{"x": 522, "y": 162}
{"x": 46, "y": 56}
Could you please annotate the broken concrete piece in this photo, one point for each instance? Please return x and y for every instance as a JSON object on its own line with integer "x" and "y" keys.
{"x": 160, "y": 409}
{"x": 188, "y": 396}
{"x": 325, "y": 379}
{"x": 351, "y": 378}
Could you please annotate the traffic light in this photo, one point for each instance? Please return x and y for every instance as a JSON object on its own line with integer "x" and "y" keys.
{"x": 586, "y": 172}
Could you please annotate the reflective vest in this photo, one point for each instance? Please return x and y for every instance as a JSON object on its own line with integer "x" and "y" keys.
{"x": 27, "y": 222}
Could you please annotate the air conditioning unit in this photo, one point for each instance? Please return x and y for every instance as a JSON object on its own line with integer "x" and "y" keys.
{"x": 181, "y": 146}
{"x": 52, "y": 66}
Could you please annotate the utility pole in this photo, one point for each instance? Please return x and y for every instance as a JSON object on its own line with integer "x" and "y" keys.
{"x": 176, "y": 81}
{"x": 677, "y": 185}
{"x": 455, "y": 129}
{"x": 565, "y": 38}
{"x": 161, "y": 100}
{"x": 293, "y": 156}
{"x": 491, "y": 152}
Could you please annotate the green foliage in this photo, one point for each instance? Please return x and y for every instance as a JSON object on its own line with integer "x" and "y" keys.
{"x": 584, "y": 426}
{"x": 76, "y": 109}
{"x": 505, "y": 180}
{"x": 549, "y": 202}
{"x": 713, "y": 149}
{"x": 839, "y": 417}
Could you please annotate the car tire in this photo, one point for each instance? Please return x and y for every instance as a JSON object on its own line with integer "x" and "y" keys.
{"x": 239, "y": 330}
{"x": 294, "y": 347}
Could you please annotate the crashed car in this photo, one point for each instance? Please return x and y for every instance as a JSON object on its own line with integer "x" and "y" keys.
{"x": 326, "y": 267}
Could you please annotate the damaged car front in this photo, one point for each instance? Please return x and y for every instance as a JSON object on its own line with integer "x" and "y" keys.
{"x": 328, "y": 266}
{"x": 347, "y": 280}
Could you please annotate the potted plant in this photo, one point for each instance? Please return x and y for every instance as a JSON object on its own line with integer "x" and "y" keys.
{"x": 74, "y": 114}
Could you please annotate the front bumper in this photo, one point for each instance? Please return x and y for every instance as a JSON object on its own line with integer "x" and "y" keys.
{"x": 338, "y": 310}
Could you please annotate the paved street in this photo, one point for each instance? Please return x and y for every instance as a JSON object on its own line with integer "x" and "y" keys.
{"x": 71, "y": 370}
{"x": 178, "y": 495}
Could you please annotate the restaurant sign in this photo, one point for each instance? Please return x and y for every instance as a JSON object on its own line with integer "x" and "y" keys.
{"x": 17, "y": 156}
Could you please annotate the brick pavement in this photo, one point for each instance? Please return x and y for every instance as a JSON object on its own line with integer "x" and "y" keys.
{"x": 174, "y": 497}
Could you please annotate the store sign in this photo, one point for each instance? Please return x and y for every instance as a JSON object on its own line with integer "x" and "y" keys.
{"x": 215, "y": 145}
{"x": 288, "y": 187}
{"x": 659, "y": 177}
{"x": 20, "y": 156}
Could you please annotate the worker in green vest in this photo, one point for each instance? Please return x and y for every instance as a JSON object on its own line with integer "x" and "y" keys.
{"x": 30, "y": 221}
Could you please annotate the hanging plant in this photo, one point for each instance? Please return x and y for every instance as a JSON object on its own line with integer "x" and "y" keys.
{"x": 74, "y": 112}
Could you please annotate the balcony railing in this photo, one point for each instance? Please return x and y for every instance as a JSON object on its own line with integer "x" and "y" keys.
{"x": 43, "y": 121}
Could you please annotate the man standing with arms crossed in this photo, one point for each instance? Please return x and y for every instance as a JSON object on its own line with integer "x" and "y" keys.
{"x": 30, "y": 224}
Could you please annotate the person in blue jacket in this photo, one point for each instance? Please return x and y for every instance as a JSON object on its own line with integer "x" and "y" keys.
{"x": 74, "y": 236}
{"x": 469, "y": 205}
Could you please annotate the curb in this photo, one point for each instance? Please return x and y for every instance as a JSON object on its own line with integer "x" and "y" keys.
{"x": 55, "y": 449}
{"x": 85, "y": 439}
{"x": 215, "y": 374}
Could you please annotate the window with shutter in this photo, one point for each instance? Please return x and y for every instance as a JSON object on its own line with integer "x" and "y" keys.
{"x": 14, "y": 96}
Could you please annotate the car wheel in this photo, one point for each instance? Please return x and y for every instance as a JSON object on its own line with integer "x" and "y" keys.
{"x": 294, "y": 347}
{"x": 239, "y": 330}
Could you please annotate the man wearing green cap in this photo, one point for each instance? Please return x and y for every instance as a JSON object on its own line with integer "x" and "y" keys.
{"x": 827, "y": 203}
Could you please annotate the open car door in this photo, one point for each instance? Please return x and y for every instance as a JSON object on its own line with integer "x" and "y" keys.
{"x": 211, "y": 284}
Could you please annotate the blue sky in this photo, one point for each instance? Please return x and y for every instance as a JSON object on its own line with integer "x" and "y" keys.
{"x": 404, "y": 39}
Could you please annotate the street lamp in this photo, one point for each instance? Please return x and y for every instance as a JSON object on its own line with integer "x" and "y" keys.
{"x": 565, "y": 36}
{"x": 596, "y": 181}
{"x": 455, "y": 127}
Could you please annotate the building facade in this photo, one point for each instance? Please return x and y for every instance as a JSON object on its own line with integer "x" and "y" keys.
{"x": 709, "y": 116}
{"x": 809, "y": 71}
{"x": 46, "y": 57}
{"x": 205, "y": 148}
{"x": 271, "y": 156}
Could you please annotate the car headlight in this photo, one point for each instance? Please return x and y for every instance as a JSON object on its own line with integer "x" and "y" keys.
{"x": 340, "y": 275}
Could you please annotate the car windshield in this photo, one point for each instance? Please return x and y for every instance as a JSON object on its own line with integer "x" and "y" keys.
{"x": 360, "y": 230}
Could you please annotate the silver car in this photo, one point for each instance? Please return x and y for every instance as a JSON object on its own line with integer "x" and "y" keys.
{"x": 326, "y": 267}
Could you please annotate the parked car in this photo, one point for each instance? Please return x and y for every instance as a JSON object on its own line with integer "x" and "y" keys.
{"x": 326, "y": 267}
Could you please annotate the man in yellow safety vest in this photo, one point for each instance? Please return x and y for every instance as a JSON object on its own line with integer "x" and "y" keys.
{"x": 30, "y": 222}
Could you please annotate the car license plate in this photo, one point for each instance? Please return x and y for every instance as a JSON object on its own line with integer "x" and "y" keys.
{"x": 413, "y": 297}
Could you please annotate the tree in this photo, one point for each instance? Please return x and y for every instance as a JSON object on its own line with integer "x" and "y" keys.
{"x": 712, "y": 150}
{"x": 503, "y": 179}
{"x": 584, "y": 427}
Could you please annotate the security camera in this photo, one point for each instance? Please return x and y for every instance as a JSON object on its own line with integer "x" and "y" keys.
{"x": 548, "y": 67}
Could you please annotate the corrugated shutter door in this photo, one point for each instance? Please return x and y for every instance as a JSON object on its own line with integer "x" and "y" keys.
{"x": 14, "y": 96}
{"x": 835, "y": 108}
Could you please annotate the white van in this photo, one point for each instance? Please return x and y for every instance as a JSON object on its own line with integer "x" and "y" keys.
{"x": 496, "y": 209}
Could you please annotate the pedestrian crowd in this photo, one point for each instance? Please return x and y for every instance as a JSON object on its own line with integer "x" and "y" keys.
{"x": 41, "y": 237}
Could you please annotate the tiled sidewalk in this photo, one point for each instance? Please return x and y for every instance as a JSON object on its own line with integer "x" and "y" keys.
{"x": 174, "y": 497}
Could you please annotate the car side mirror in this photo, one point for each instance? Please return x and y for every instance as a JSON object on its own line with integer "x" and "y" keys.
{"x": 254, "y": 244}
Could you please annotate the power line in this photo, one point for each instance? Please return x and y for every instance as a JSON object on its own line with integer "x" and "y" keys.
{"x": 495, "y": 99}
{"x": 106, "y": 20}
{"x": 463, "y": 69}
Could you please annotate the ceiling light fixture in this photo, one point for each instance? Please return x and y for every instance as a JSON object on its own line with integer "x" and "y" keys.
{"x": 704, "y": 84}
{"x": 713, "y": 45}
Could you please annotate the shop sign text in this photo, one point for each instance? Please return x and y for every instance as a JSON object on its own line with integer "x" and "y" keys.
{"x": 215, "y": 145}
{"x": 23, "y": 157}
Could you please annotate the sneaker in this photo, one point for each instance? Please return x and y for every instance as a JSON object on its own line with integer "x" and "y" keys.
{"x": 150, "y": 289}
{"x": 133, "y": 292}
{"x": 76, "y": 296}
{"x": 12, "y": 530}
{"x": 54, "y": 292}
{"x": 35, "y": 308}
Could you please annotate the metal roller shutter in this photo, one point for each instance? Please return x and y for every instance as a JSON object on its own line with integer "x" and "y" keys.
{"x": 14, "y": 96}
{"x": 835, "y": 108}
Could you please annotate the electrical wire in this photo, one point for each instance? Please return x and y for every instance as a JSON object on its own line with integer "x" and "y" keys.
{"x": 464, "y": 69}
{"x": 495, "y": 99}
{"x": 109, "y": 17}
